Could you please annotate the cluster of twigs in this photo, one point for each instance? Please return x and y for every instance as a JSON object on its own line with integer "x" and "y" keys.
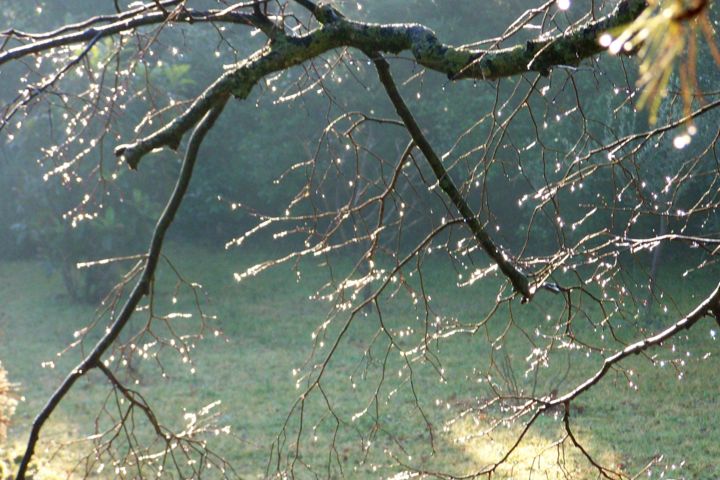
{"x": 399, "y": 208}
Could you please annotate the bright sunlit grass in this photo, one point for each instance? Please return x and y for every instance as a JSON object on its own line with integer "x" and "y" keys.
{"x": 545, "y": 452}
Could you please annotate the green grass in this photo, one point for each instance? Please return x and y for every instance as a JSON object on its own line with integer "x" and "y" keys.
{"x": 267, "y": 324}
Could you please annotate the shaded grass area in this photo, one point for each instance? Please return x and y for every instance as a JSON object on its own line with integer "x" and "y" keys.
{"x": 665, "y": 413}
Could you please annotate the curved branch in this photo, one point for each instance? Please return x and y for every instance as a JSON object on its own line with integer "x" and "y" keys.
{"x": 121, "y": 15}
{"x": 708, "y": 307}
{"x": 94, "y": 358}
{"x": 120, "y": 24}
{"x": 337, "y": 31}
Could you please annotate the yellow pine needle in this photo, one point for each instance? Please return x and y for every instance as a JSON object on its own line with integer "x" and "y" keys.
{"x": 663, "y": 31}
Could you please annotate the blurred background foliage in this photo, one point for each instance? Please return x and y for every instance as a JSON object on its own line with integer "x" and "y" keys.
{"x": 102, "y": 210}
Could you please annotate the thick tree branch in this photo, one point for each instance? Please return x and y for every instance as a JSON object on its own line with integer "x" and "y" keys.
{"x": 519, "y": 281}
{"x": 337, "y": 31}
{"x": 33, "y": 91}
{"x": 94, "y": 358}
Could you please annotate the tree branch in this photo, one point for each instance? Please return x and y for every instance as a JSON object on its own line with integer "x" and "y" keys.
{"x": 94, "y": 358}
{"x": 122, "y": 23}
{"x": 337, "y": 31}
{"x": 134, "y": 398}
{"x": 709, "y": 306}
{"x": 519, "y": 281}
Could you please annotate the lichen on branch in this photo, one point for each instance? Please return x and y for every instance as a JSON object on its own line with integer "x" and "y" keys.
{"x": 337, "y": 31}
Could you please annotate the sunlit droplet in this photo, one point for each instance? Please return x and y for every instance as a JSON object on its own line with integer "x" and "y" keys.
{"x": 681, "y": 141}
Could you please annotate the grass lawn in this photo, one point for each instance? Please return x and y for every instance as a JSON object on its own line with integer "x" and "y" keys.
{"x": 667, "y": 413}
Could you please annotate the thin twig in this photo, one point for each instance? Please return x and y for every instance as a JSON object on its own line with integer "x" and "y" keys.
{"x": 141, "y": 289}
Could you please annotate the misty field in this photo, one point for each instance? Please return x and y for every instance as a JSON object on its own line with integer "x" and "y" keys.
{"x": 252, "y": 367}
